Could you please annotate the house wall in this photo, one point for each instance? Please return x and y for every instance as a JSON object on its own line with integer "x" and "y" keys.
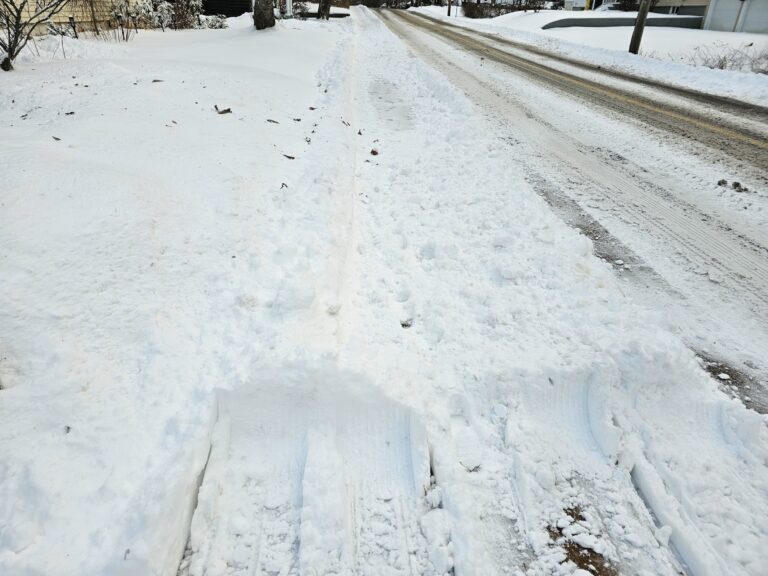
{"x": 84, "y": 12}
{"x": 681, "y": 7}
{"x": 735, "y": 15}
{"x": 81, "y": 10}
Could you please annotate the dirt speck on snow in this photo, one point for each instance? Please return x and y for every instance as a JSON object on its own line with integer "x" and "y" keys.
{"x": 735, "y": 382}
{"x": 584, "y": 558}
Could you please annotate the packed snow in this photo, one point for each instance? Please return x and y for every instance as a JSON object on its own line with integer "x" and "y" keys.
{"x": 333, "y": 331}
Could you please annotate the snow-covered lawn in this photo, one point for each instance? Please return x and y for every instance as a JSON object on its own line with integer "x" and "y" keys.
{"x": 352, "y": 261}
{"x": 133, "y": 220}
{"x": 667, "y": 54}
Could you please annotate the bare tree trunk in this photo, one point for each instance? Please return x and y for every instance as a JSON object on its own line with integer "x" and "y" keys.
{"x": 324, "y": 9}
{"x": 94, "y": 21}
{"x": 263, "y": 14}
{"x": 6, "y": 64}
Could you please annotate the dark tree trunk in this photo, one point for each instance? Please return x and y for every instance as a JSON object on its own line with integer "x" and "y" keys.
{"x": 94, "y": 21}
{"x": 324, "y": 9}
{"x": 263, "y": 14}
{"x": 6, "y": 64}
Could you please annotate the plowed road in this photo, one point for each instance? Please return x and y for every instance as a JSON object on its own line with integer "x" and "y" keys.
{"x": 634, "y": 165}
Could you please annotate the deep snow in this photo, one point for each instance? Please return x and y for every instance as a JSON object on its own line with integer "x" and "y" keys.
{"x": 342, "y": 303}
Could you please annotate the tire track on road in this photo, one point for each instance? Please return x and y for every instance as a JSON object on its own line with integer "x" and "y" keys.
{"x": 738, "y": 265}
{"x": 718, "y": 133}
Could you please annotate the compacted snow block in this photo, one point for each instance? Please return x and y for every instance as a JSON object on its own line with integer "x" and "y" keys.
{"x": 323, "y": 475}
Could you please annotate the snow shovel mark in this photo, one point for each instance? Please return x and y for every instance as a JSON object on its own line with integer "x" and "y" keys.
{"x": 296, "y": 468}
{"x": 387, "y": 538}
{"x": 277, "y": 548}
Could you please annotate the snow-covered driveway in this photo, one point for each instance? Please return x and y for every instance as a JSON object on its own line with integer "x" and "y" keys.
{"x": 345, "y": 314}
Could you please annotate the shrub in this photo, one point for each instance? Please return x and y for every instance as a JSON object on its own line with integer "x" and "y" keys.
{"x": 18, "y": 20}
{"x": 744, "y": 58}
{"x": 216, "y": 22}
{"x": 300, "y": 9}
{"x": 186, "y": 13}
{"x": 163, "y": 15}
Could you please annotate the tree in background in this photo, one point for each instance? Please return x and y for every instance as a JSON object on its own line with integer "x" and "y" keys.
{"x": 324, "y": 9}
{"x": 18, "y": 20}
{"x": 263, "y": 14}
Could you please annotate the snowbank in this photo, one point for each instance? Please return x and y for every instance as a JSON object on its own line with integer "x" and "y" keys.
{"x": 666, "y": 53}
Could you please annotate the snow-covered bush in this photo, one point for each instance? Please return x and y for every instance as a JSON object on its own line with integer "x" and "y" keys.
{"x": 216, "y": 22}
{"x": 145, "y": 10}
{"x": 124, "y": 21}
{"x": 186, "y": 13}
{"x": 61, "y": 30}
{"x": 120, "y": 7}
{"x": 300, "y": 9}
{"x": 163, "y": 15}
{"x": 745, "y": 58}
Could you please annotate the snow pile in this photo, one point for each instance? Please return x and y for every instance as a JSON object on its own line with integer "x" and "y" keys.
{"x": 50, "y": 47}
{"x": 667, "y": 54}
